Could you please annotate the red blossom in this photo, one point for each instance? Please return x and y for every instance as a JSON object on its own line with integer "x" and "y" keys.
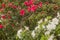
{"x": 14, "y": 6}
{"x": 29, "y": 9}
{"x": 10, "y": 4}
{"x": 3, "y": 5}
{"x": 47, "y": 3}
{"x": 22, "y": 12}
{"x": 40, "y": 4}
{"x": 30, "y": 3}
{"x": 26, "y": 3}
{"x": 33, "y": 8}
{"x": 3, "y": 16}
{"x": 9, "y": 17}
{"x": 1, "y": 26}
{"x": 1, "y": 9}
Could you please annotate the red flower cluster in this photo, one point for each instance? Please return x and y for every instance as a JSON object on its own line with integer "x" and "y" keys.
{"x": 3, "y": 5}
{"x": 31, "y": 7}
{"x": 40, "y": 4}
{"x": 3, "y": 16}
{"x": 1, "y": 26}
{"x": 28, "y": 3}
{"x": 47, "y": 2}
{"x": 12, "y": 5}
{"x": 22, "y": 12}
{"x": 1, "y": 9}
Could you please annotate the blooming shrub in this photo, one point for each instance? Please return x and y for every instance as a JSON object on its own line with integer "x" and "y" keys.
{"x": 45, "y": 30}
{"x": 18, "y": 20}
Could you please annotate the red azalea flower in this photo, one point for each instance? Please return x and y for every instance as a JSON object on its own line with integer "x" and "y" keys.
{"x": 47, "y": 3}
{"x": 10, "y": 4}
{"x": 1, "y": 9}
{"x": 22, "y": 12}
{"x": 33, "y": 8}
{"x": 40, "y": 4}
{"x": 29, "y": 9}
{"x": 3, "y": 5}
{"x": 3, "y": 17}
{"x": 30, "y": 2}
{"x": 1, "y": 26}
{"x": 9, "y": 17}
{"x": 26, "y": 3}
{"x": 14, "y": 6}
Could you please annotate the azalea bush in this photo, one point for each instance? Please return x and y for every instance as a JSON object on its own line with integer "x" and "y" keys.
{"x": 29, "y": 19}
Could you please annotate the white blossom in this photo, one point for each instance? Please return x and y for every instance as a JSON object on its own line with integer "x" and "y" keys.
{"x": 33, "y": 33}
{"x": 51, "y": 26}
{"x": 43, "y": 26}
{"x": 19, "y": 33}
{"x": 58, "y": 15}
{"x": 46, "y": 19}
{"x": 40, "y": 21}
{"x": 55, "y": 21}
{"x": 27, "y": 28}
{"x": 47, "y": 32}
{"x": 51, "y": 37}
{"x": 37, "y": 27}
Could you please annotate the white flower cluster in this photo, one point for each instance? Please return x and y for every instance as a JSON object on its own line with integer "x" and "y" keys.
{"x": 51, "y": 37}
{"x": 50, "y": 26}
{"x": 19, "y": 33}
{"x": 33, "y": 33}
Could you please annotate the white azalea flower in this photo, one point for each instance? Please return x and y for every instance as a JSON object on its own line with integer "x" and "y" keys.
{"x": 49, "y": 21}
{"x": 47, "y": 32}
{"x": 51, "y": 37}
{"x": 55, "y": 21}
{"x": 51, "y": 26}
{"x": 37, "y": 27}
{"x": 58, "y": 15}
{"x": 33, "y": 33}
{"x": 43, "y": 26}
{"x": 40, "y": 21}
{"x": 27, "y": 28}
{"x": 46, "y": 19}
{"x": 19, "y": 33}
